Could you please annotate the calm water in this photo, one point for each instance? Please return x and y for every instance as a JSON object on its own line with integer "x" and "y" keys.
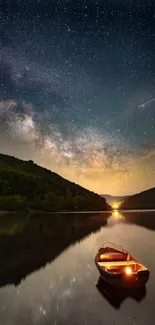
{"x": 50, "y": 277}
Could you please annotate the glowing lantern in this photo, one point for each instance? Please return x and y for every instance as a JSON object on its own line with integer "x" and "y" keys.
{"x": 128, "y": 270}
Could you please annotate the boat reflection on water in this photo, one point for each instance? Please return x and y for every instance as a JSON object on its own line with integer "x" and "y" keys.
{"x": 116, "y": 296}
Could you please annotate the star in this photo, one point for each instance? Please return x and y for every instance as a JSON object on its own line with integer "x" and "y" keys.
{"x": 77, "y": 90}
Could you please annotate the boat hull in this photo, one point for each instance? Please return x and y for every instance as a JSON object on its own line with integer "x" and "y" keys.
{"x": 121, "y": 280}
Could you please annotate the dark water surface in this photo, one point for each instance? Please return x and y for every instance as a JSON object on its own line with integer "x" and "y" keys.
{"x": 48, "y": 275}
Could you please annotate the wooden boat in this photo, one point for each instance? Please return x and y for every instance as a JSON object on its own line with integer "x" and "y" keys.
{"x": 119, "y": 268}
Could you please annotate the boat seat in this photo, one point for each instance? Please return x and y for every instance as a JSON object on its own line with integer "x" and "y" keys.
{"x": 107, "y": 257}
{"x": 116, "y": 263}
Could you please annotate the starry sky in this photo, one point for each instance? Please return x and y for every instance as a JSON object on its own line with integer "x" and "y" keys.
{"x": 77, "y": 89}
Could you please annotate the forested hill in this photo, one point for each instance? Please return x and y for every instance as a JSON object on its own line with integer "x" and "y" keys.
{"x": 23, "y": 184}
{"x": 143, "y": 200}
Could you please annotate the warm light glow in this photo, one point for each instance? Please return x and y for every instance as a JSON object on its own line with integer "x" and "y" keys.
{"x": 116, "y": 205}
{"x": 117, "y": 215}
{"x": 102, "y": 256}
{"x": 128, "y": 270}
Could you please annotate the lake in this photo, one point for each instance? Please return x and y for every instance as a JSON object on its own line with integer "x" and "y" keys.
{"x": 48, "y": 274}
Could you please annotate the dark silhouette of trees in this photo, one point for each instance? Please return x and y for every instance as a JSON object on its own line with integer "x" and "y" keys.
{"x": 143, "y": 200}
{"x": 23, "y": 185}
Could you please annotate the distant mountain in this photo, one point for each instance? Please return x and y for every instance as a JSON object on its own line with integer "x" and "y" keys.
{"x": 143, "y": 200}
{"x": 112, "y": 199}
{"x": 25, "y": 185}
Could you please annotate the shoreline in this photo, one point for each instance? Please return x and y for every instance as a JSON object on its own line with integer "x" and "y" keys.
{"x": 73, "y": 212}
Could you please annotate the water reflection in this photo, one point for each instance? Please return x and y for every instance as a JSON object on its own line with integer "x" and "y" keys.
{"x": 116, "y": 296}
{"x": 116, "y": 214}
{"x": 141, "y": 218}
{"x": 27, "y": 244}
{"x": 115, "y": 218}
{"x": 61, "y": 250}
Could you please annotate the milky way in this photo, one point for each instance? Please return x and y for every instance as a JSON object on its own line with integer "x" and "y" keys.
{"x": 75, "y": 77}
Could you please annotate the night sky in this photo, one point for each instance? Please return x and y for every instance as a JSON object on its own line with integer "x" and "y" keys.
{"x": 77, "y": 89}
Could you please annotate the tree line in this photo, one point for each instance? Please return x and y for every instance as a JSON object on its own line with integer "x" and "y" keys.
{"x": 25, "y": 185}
